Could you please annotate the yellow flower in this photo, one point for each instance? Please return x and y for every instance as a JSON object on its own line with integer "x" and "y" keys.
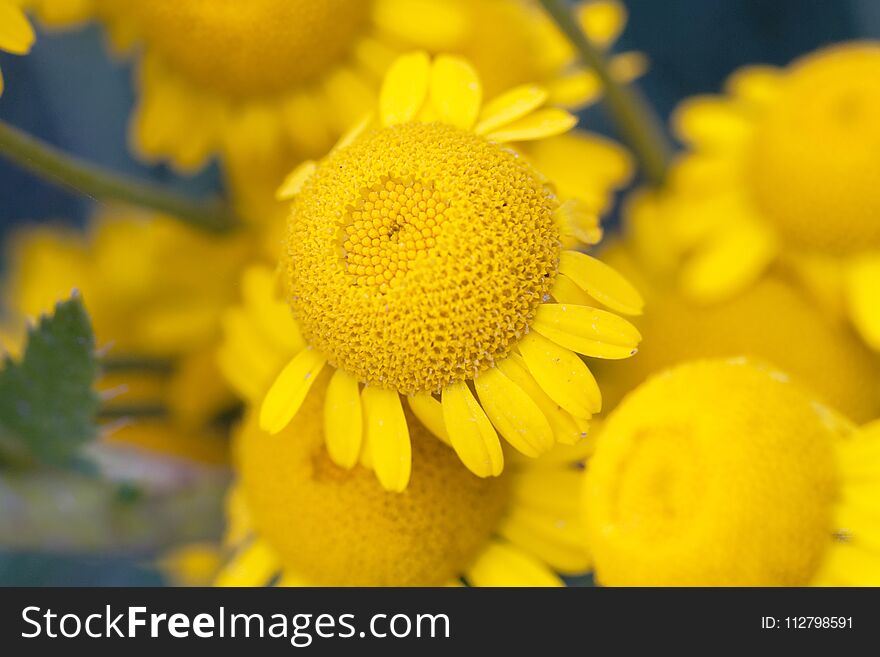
{"x": 155, "y": 291}
{"x": 785, "y": 165}
{"x": 298, "y": 519}
{"x": 269, "y": 82}
{"x": 727, "y": 474}
{"x": 16, "y": 34}
{"x": 773, "y": 320}
{"x": 422, "y": 257}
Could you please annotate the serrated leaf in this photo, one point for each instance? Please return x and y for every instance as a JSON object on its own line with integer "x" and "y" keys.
{"x": 48, "y": 405}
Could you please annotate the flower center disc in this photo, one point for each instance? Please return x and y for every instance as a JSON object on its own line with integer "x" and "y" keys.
{"x": 336, "y": 527}
{"x": 711, "y": 475}
{"x": 250, "y": 47}
{"x": 418, "y": 255}
{"x": 814, "y": 165}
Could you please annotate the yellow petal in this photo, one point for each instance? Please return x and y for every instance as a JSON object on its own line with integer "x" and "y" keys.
{"x": 537, "y": 125}
{"x": 470, "y": 432}
{"x": 388, "y": 437}
{"x": 405, "y": 88}
{"x": 602, "y": 21}
{"x": 343, "y": 421}
{"x": 565, "y": 290}
{"x": 515, "y": 415}
{"x": 601, "y": 282}
{"x": 566, "y": 428}
{"x": 1, "y": 83}
{"x": 295, "y": 180}
{"x": 438, "y": 26}
{"x": 587, "y": 331}
{"x": 456, "y": 92}
{"x": 254, "y": 565}
{"x": 16, "y": 34}
{"x": 577, "y": 89}
{"x": 429, "y": 412}
{"x": 729, "y": 262}
{"x": 501, "y": 564}
{"x": 290, "y": 389}
{"x": 628, "y": 66}
{"x": 711, "y": 122}
{"x": 355, "y": 131}
{"x": 863, "y": 287}
{"x": 757, "y": 85}
{"x": 579, "y": 223}
{"x": 549, "y": 490}
{"x": 510, "y": 106}
{"x": 564, "y": 377}
{"x": 270, "y": 313}
{"x": 556, "y": 540}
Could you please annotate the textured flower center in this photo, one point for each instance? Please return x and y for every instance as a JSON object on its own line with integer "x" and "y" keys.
{"x": 714, "y": 474}
{"x": 814, "y": 166}
{"x": 388, "y": 229}
{"x": 253, "y": 46}
{"x": 418, "y": 255}
{"x": 337, "y": 527}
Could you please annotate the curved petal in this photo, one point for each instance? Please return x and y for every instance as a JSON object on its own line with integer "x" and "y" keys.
{"x": 388, "y": 437}
{"x": 343, "y": 419}
{"x": 470, "y": 432}
{"x": 290, "y": 389}
{"x": 513, "y": 412}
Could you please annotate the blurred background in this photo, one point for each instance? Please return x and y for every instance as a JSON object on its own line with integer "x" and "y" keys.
{"x": 70, "y": 93}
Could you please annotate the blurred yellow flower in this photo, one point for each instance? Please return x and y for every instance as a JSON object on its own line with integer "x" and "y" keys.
{"x": 785, "y": 165}
{"x": 16, "y": 34}
{"x": 727, "y": 474}
{"x": 267, "y": 83}
{"x": 298, "y": 519}
{"x": 774, "y": 320}
{"x": 421, "y": 252}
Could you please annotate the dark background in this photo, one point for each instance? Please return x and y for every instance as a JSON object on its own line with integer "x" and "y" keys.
{"x": 68, "y": 92}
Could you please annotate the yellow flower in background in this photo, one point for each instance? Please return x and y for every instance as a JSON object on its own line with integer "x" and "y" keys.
{"x": 155, "y": 290}
{"x": 773, "y": 320}
{"x": 422, "y": 258}
{"x": 784, "y": 165}
{"x": 298, "y": 519}
{"x": 269, "y": 82}
{"x": 16, "y": 34}
{"x": 727, "y": 474}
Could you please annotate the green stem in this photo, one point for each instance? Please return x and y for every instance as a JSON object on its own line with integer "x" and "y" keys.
{"x": 67, "y": 171}
{"x": 637, "y": 121}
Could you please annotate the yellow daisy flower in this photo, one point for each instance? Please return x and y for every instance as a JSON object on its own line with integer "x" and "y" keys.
{"x": 422, "y": 258}
{"x": 773, "y": 320}
{"x": 298, "y": 519}
{"x": 785, "y": 165}
{"x": 16, "y": 34}
{"x": 268, "y": 82}
{"x": 727, "y": 474}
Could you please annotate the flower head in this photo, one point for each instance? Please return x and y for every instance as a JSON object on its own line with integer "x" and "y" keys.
{"x": 724, "y": 473}
{"x": 782, "y": 169}
{"x": 422, "y": 257}
{"x": 298, "y": 518}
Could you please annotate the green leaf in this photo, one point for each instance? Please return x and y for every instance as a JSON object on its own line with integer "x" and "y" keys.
{"x": 48, "y": 404}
